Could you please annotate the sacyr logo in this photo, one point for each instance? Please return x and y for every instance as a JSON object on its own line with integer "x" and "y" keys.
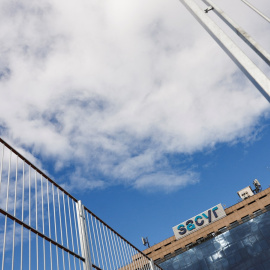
{"x": 199, "y": 221}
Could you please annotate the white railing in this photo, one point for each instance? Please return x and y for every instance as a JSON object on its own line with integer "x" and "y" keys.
{"x": 43, "y": 227}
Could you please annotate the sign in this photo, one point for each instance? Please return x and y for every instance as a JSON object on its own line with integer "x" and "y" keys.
{"x": 196, "y": 223}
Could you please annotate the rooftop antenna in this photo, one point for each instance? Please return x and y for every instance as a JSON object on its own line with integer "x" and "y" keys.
{"x": 145, "y": 241}
{"x": 257, "y": 185}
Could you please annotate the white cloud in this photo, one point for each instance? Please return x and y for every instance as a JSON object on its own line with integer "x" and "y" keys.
{"x": 166, "y": 182}
{"x": 111, "y": 87}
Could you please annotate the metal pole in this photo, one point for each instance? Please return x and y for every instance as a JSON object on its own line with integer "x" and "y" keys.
{"x": 254, "y": 74}
{"x": 240, "y": 32}
{"x": 152, "y": 264}
{"x": 83, "y": 236}
{"x": 256, "y": 10}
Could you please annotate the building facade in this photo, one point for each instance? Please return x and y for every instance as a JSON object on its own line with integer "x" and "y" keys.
{"x": 238, "y": 240}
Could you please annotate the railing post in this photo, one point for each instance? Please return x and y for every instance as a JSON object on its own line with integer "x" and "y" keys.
{"x": 85, "y": 248}
{"x": 152, "y": 265}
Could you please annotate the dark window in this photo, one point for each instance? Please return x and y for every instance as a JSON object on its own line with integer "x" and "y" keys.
{"x": 188, "y": 246}
{"x": 257, "y": 212}
{"x": 223, "y": 229}
{"x": 234, "y": 224}
{"x": 200, "y": 240}
{"x": 179, "y": 250}
{"x": 240, "y": 208}
{"x": 168, "y": 256}
{"x": 251, "y": 202}
{"x": 262, "y": 197}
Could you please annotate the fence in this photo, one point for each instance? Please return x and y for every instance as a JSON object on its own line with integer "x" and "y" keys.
{"x": 42, "y": 226}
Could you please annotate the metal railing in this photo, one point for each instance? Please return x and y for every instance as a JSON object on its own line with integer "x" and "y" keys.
{"x": 42, "y": 226}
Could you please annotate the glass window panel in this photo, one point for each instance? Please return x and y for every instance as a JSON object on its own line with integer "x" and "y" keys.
{"x": 246, "y": 246}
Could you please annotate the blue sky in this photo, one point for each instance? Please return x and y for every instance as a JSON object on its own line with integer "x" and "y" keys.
{"x": 132, "y": 107}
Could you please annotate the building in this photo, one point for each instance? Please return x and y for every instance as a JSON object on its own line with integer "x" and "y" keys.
{"x": 238, "y": 238}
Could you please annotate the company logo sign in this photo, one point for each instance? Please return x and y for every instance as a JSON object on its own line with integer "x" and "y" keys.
{"x": 209, "y": 216}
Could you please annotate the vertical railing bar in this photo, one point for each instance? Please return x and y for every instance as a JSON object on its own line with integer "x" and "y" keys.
{"x": 76, "y": 232}
{"x": 36, "y": 200}
{"x": 76, "y": 229}
{"x": 42, "y": 204}
{"x": 5, "y": 229}
{"x": 60, "y": 219}
{"x": 29, "y": 216}
{"x": 55, "y": 229}
{"x": 105, "y": 240}
{"x": 36, "y": 216}
{"x": 57, "y": 258}
{"x": 89, "y": 231}
{"x": 95, "y": 240}
{"x": 70, "y": 223}
{"x": 4, "y": 244}
{"x": 101, "y": 236}
{"x": 61, "y": 228}
{"x": 122, "y": 243}
{"x": 109, "y": 252}
{"x": 114, "y": 241}
{"x": 99, "y": 245}
{"x": 139, "y": 261}
{"x": 129, "y": 255}
{"x": 107, "y": 229}
{"x": 9, "y": 165}
{"x": 125, "y": 249}
{"x": 13, "y": 245}
{"x": 15, "y": 205}
{"x": 74, "y": 262}
{"x": 133, "y": 253}
{"x": 43, "y": 226}
{"x": 133, "y": 262}
{"x": 1, "y": 166}
{"x": 119, "y": 251}
{"x": 80, "y": 264}
{"x": 84, "y": 239}
{"x": 22, "y": 220}
{"x": 49, "y": 220}
{"x": 122, "y": 260}
{"x": 113, "y": 248}
{"x": 65, "y": 219}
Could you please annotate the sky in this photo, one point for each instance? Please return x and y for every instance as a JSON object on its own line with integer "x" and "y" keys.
{"x": 133, "y": 108}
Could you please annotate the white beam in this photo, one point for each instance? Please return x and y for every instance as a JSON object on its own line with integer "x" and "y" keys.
{"x": 255, "y": 75}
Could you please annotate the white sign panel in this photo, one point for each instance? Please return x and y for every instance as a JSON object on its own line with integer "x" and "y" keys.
{"x": 196, "y": 223}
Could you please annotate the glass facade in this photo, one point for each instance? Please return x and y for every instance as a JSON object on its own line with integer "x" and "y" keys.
{"x": 246, "y": 247}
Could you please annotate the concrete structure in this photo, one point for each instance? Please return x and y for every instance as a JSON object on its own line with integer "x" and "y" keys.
{"x": 235, "y": 215}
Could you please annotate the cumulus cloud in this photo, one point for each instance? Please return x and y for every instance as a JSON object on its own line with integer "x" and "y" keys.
{"x": 109, "y": 88}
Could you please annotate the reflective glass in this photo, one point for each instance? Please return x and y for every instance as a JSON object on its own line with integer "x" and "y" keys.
{"x": 244, "y": 247}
